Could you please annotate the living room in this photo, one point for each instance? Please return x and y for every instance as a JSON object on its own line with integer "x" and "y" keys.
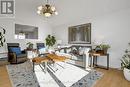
{"x": 109, "y": 25}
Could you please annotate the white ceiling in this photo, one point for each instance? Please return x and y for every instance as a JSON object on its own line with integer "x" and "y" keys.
{"x": 73, "y": 10}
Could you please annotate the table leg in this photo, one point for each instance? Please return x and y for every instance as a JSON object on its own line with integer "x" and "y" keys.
{"x": 45, "y": 67}
{"x": 33, "y": 67}
{"x": 107, "y": 61}
{"x": 96, "y": 60}
{"x": 91, "y": 61}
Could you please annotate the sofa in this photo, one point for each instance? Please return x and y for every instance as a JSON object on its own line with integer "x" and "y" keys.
{"x": 78, "y": 55}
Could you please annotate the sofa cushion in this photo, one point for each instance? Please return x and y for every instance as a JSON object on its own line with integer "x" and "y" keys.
{"x": 62, "y": 51}
{"x": 81, "y": 51}
{"x": 16, "y": 50}
{"x": 75, "y": 52}
{"x": 64, "y": 54}
{"x": 68, "y": 50}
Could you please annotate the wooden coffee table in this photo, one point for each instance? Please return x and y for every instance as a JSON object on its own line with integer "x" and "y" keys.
{"x": 57, "y": 58}
{"x": 53, "y": 58}
{"x": 40, "y": 60}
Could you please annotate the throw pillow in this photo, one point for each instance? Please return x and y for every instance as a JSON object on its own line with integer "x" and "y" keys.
{"x": 62, "y": 51}
{"x": 68, "y": 50}
{"x": 81, "y": 51}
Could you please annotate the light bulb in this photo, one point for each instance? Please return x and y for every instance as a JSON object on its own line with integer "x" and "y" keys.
{"x": 53, "y": 8}
{"x": 38, "y": 12}
{"x": 56, "y": 13}
{"x": 47, "y": 14}
{"x": 40, "y": 8}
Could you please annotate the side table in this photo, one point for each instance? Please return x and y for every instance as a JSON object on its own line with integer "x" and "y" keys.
{"x": 94, "y": 57}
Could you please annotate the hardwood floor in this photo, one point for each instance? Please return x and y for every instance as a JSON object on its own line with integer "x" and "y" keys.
{"x": 4, "y": 78}
{"x": 111, "y": 78}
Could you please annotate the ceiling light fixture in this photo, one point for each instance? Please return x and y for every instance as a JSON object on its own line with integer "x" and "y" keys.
{"x": 47, "y": 10}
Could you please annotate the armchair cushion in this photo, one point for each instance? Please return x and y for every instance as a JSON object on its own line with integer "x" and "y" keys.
{"x": 42, "y": 50}
{"x": 16, "y": 50}
{"x": 40, "y": 47}
{"x": 21, "y": 56}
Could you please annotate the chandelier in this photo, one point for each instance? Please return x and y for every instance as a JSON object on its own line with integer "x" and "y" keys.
{"x": 47, "y": 10}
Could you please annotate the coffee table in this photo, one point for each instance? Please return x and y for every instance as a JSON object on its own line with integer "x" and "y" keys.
{"x": 54, "y": 59}
{"x": 40, "y": 60}
{"x": 57, "y": 58}
{"x": 49, "y": 58}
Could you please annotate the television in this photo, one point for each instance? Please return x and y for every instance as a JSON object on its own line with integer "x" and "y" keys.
{"x": 26, "y": 32}
{"x": 80, "y": 34}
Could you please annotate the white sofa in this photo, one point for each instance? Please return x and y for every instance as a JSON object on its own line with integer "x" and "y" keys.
{"x": 78, "y": 55}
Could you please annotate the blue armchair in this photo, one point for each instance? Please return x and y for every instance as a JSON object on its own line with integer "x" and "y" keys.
{"x": 40, "y": 49}
{"x": 15, "y": 55}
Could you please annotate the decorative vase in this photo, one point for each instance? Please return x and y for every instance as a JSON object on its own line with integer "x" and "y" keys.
{"x": 127, "y": 74}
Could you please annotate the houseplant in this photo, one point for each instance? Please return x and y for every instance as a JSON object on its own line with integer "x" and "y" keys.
{"x": 125, "y": 64}
{"x": 50, "y": 41}
{"x": 2, "y": 37}
{"x": 29, "y": 46}
{"x": 104, "y": 47}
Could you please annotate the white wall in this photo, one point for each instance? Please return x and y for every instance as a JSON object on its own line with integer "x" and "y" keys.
{"x": 25, "y": 14}
{"x": 113, "y": 28}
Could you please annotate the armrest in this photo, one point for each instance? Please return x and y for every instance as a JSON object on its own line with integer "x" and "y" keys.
{"x": 24, "y": 51}
{"x": 12, "y": 56}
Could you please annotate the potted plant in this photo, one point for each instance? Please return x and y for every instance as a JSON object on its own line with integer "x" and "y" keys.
{"x": 104, "y": 47}
{"x": 125, "y": 64}
{"x": 50, "y": 41}
{"x": 30, "y": 46}
{"x": 2, "y": 37}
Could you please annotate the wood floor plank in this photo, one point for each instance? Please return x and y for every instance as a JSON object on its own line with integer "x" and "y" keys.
{"x": 4, "y": 78}
{"x": 112, "y": 78}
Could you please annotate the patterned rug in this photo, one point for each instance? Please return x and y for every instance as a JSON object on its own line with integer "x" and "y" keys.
{"x": 89, "y": 80}
{"x": 22, "y": 75}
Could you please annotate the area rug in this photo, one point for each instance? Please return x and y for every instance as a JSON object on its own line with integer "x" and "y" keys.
{"x": 72, "y": 76}
{"x": 22, "y": 75}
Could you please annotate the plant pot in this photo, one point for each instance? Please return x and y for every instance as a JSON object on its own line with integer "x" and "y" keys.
{"x": 127, "y": 74}
{"x": 105, "y": 51}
